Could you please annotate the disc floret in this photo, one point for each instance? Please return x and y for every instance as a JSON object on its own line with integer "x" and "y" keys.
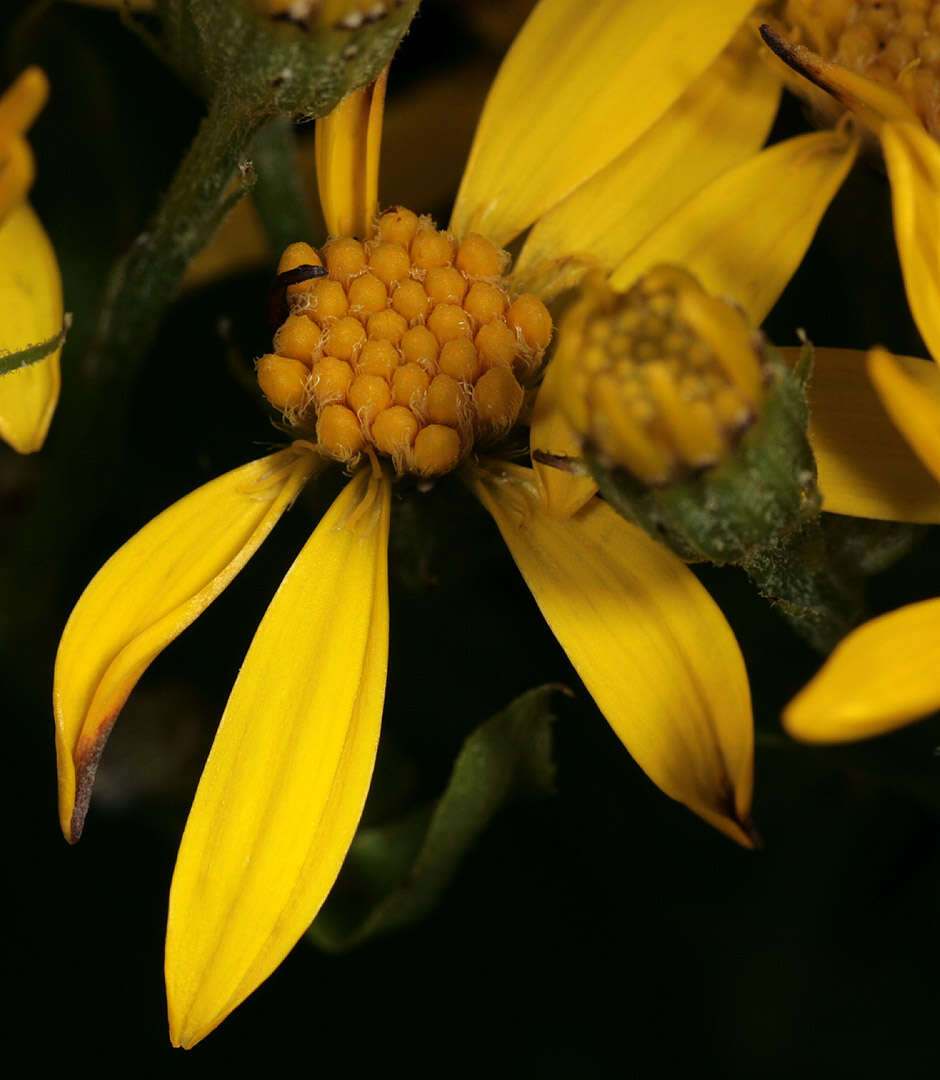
{"x": 411, "y": 344}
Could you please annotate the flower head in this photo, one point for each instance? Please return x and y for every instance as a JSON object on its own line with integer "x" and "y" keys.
{"x": 409, "y": 349}
{"x": 30, "y": 287}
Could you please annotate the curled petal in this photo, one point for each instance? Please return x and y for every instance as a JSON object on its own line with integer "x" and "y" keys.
{"x": 882, "y": 676}
{"x": 348, "y": 142}
{"x": 283, "y": 789}
{"x": 745, "y": 234}
{"x": 30, "y": 313}
{"x": 145, "y": 595}
{"x": 580, "y": 84}
{"x": 651, "y": 645}
{"x": 913, "y": 404}
{"x": 721, "y": 119}
{"x": 865, "y": 467}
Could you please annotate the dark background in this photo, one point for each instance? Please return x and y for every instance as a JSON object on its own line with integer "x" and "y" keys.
{"x": 604, "y": 929}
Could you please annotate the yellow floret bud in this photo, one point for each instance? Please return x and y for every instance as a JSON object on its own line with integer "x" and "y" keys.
{"x": 417, "y": 348}
{"x": 324, "y": 301}
{"x": 378, "y": 358}
{"x": 390, "y": 262}
{"x": 297, "y": 337}
{"x": 344, "y": 257}
{"x": 445, "y": 285}
{"x": 367, "y": 293}
{"x": 431, "y": 248}
{"x": 394, "y": 431}
{"x": 344, "y": 338}
{"x": 409, "y": 384}
{"x": 398, "y": 226}
{"x": 485, "y": 302}
{"x": 331, "y": 379}
{"x": 660, "y": 380}
{"x": 339, "y": 435}
{"x": 479, "y": 257}
{"x": 437, "y": 450}
{"x": 368, "y": 396}
{"x": 283, "y": 381}
{"x": 410, "y": 300}
{"x": 448, "y": 321}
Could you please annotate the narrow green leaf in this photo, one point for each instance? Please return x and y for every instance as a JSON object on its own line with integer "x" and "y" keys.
{"x": 396, "y": 873}
{"x": 32, "y": 354}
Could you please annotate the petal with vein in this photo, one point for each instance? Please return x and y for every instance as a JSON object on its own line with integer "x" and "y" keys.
{"x": 882, "y": 676}
{"x": 912, "y": 158}
{"x": 30, "y": 312}
{"x": 283, "y": 789}
{"x": 651, "y": 645}
{"x": 865, "y": 467}
{"x": 579, "y": 85}
{"x": 145, "y": 595}
{"x": 745, "y": 234}
{"x": 348, "y": 143}
{"x": 718, "y": 122}
{"x": 563, "y": 493}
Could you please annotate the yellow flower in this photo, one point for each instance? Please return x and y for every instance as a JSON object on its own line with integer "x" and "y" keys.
{"x": 593, "y": 135}
{"x": 886, "y": 673}
{"x": 882, "y": 62}
{"x": 30, "y": 287}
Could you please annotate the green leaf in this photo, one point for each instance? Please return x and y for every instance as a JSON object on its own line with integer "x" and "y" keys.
{"x": 396, "y": 873}
{"x": 32, "y": 354}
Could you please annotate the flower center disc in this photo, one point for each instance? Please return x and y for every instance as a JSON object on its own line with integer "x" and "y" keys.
{"x": 411, "y": 344}
{"x": 897, "y": 44}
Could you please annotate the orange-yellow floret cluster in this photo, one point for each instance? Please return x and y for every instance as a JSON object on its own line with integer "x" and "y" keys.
{"x": 896, "y": 43}
{"x": 411, "y": 345}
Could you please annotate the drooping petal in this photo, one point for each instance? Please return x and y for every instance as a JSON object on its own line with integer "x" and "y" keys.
{"x": 745, "y": 234}
{"x": 564, "y": 493}
{"x": 580, "y": 84}
{"x": 912, "y": 158}
{"x": 649, "y": 642}
{"x": 30, "y": 313}
{"x": 865, "y": 467}
{"x": 285, "y": 783}
{"x": 348, "y": 143}
{"x": 883, "y": 675}
{"x": 145, "y": 595}
{"x": 718, "y": 122}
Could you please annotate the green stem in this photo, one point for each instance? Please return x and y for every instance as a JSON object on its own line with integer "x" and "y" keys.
{"x": 145, "y": 281}
{"x": 279, "y": 193}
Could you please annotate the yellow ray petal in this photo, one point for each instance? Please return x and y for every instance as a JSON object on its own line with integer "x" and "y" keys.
{"x": 866, "y": 469}
{"x": 285, "y": 783}
{"x": 883, "y": 675}
{"x": 718, "y": 122}
{"x": 21, "y": 103}
{"x": 580, "y": 84}
{"x": 30, "y": 313}
{"x": 913, "y": 404}
{"x": 146, "y": 594}
{"x": 912, "y": 158}
{"x": 744, "y": 235}
{"x": 348, "y": 142}
{"x": 563, "y": 493}
{"x": 649, "y": 642}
